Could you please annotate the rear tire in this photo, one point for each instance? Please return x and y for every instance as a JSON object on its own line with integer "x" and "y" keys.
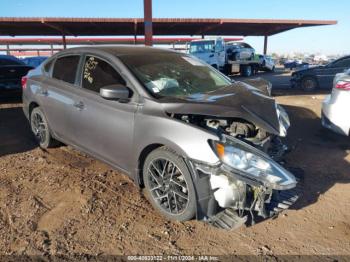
{"x": 40, "y": 129}
{"x": 168, "y": 185}
{"x": 247, "y": 71}
{"x": 309, "y": 84}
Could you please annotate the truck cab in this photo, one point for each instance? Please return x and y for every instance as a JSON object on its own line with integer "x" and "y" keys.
{"x": 212, "y": 51}
{"x": 230, "y": 58}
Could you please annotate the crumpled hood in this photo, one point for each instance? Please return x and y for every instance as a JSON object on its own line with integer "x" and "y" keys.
{"x": 238, "y": 100}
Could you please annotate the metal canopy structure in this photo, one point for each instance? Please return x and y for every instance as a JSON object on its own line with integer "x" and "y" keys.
{"x": 35, "y": 26}
{"x": 104, "y": 41}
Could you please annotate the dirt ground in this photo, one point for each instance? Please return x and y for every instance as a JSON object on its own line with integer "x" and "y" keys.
{"x": 61, "y": 201}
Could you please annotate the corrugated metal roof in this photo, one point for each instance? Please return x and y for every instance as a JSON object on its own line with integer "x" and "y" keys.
{"x": 50, "y": 26}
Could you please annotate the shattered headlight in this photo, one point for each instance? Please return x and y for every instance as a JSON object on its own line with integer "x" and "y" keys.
{"x": 283, "y": 119}
{"x": 248, "y": 161}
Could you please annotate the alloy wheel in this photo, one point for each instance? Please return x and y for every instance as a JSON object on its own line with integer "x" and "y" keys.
{"x": 309, "y": 84}
{"x": 38, "y": 127}
{"x": 168, "y": 186}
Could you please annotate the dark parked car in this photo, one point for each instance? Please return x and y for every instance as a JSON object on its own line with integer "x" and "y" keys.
{"x": 34, "y": 61}
{"x": 320, "y": 76}
{"x": 11, "y": 72}
{"x": 201, "y": 145}
{"x": 295, "y": 65}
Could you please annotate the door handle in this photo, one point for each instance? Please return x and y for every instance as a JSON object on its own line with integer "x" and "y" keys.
{"x": 79, "y": 105}
{"x": 44, "y": 92}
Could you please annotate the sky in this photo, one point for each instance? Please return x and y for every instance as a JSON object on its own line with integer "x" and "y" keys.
{"x": 334, "y": 39}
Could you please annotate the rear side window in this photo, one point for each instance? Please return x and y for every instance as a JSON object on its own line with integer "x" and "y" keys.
{"x": 65, "y": 68}
{"x": 98, "y": 73}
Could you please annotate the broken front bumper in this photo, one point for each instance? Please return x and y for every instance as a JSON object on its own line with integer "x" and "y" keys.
{"x": 268, "y": 205}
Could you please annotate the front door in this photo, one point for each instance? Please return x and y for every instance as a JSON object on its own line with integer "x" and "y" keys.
{"x": 104, "y": 128}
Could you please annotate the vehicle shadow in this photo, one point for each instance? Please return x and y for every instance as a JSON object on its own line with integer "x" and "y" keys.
{"x": 15, "y": 133}
{"x": 15, "y": 99}
{"x": 323, "y": 156}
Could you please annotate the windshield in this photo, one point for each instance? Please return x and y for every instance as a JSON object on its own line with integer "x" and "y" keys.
{"x": 201, "y": 47}
{"x": 174, "y": 75}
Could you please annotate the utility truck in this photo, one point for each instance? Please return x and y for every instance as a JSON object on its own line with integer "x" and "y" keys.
{"x": 228, "y": 57}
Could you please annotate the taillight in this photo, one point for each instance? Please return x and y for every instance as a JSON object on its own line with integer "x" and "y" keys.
{"x": 343, "y": 85}
{"x": 24, "y": 82}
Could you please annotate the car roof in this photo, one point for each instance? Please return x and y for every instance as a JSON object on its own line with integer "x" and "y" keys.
{"x": 203, "y": 40}
{"x": 236, "y": 43}
{"x": 121, "y": 50}
{"x": 341, "y": 58}
{"x": 35, "y": 57}
{"x": 11, "y": 57}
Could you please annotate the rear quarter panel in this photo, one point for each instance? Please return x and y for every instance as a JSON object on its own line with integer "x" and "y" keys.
{"x": 30, "y": 92}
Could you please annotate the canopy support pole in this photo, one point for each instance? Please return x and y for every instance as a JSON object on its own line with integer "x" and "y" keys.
{"x": 64, "y": 41}
{"x": 265, "y": 44}
{"x": 148, "y": 22}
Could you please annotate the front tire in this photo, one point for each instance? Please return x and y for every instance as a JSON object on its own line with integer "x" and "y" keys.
{"x": 168, "y": 185}
{"x": 309, "y": 84}
{"x": 40, "y": 129}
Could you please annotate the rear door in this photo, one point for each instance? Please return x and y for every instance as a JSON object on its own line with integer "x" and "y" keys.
{"x": 57, "y": 95}
{"x": 326, "y": 74}
{"x": 103, "y": 128}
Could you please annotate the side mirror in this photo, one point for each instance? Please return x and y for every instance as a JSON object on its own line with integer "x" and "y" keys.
{"x": 115, "y": 92}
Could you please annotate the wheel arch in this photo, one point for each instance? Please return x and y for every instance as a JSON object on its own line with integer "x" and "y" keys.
{"x": 141, "y": 160}
{"x": 309, "y": 76}
{"x": 146, "y": 150}
{"x": 32, "y": 105}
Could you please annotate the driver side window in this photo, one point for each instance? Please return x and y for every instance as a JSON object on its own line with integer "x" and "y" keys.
{"x": 219, "y": 46}
{"x": 98, "y": 73}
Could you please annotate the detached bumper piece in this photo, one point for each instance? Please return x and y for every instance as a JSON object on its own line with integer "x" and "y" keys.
{"x": 229, "y": 219}
{"x": 284, "y": 200}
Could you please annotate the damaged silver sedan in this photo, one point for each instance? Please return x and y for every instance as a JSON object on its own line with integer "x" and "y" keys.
{"x": 199, "y": 144}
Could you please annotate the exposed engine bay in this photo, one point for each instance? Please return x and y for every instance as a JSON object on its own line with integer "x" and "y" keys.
{"x": 240, "y": 198}
{"x": 240, "y": 129}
